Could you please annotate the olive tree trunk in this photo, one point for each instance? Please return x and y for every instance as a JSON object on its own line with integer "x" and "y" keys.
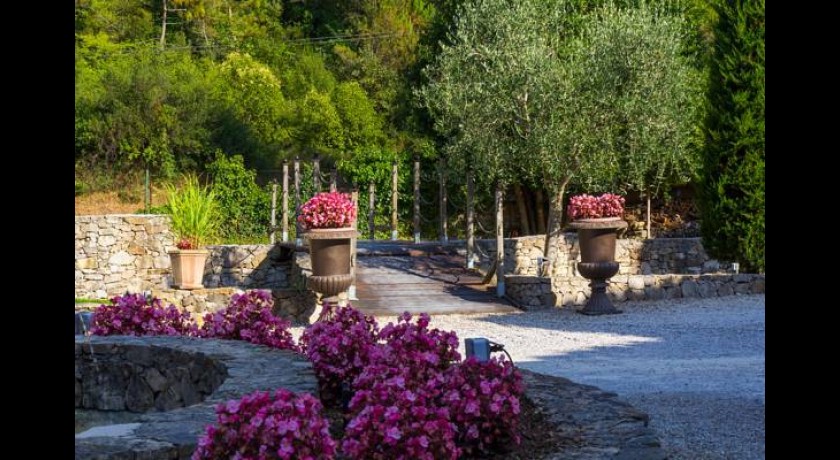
{"x": 555, "y": 222}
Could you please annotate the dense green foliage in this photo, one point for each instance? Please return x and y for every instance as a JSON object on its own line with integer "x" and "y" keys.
{"x": 559, "y": 94}
{"x": 732, "y": 188}
{"x": 245, "y": 206}
{"x": 555, "y": 95}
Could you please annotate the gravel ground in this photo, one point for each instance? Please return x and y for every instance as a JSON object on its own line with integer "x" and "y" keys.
{"x": 695, "y": 365}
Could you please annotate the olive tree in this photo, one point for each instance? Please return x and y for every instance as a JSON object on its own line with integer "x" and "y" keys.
{"x": 546, "y": 91}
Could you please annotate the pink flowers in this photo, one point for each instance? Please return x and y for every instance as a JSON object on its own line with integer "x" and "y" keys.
{"x": 327, "y": 210}
{"x": 249, "y": 317}
{"x": 413, "y": 396}
{"x": 284, "y": 425}
{"x": 134, "y": 314}
{"x": 591, "y": 207}
{"x": 339, "y": 348}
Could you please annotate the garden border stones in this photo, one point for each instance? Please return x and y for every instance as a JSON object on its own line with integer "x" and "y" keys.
{"x": 174, "y": 434}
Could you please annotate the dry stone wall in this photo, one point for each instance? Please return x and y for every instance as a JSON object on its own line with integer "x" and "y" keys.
{"x": 119, "y": 253}
{"x": 657, "y": 256}
{"x": 648, "y": 270}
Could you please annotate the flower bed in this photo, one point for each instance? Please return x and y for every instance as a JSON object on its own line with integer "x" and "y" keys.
{"x": 413, "y": 396}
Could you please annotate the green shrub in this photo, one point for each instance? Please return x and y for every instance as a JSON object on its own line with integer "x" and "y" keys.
{"x": 732, "y": 188}
{"x": 245, "y": 206}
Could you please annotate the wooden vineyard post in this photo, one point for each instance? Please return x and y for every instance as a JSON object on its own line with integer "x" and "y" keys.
{"x": 416, "y": 199}
{"x": 285, "y": 201}
{"x": 442, "y": 173}
{"x": 273, "y": 211}
{"x": 298, "y": 238}
{"x": 394, "y": 196}
{"x": 470, "y": 219}
{"x": 371, "y": 211}
{"x": 316, "y": 174}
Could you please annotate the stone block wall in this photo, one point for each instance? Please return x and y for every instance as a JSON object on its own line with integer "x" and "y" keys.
{"x": 264, "y": 266}
{"x": 119, "y": 253}
{"x": 648, "y": 270}
{"x": 636, "y": 257}
{"x": 529, "y": 292}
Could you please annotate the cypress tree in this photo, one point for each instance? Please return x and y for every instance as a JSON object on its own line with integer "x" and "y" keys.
{"x": 732, "y": 184}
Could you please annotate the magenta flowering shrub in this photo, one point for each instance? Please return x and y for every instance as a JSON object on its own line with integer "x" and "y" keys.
{"x": 397, "y": 411}
{"x": 611, "y": 205}
{"x": 249, "y": 317}
{"x": 134, "y": 314}
{"x": 260, "y": 425}
{"x": 590, "y": 207}
{"x": 339, "y": 346}
{"x": 393, "y": 420}
{"x": 327, "y": 210}
{"x": 483, "y": 400}
{"x": 425, "y": 351}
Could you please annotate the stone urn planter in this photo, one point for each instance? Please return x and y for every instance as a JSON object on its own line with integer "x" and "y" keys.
{"x": 188, "y": 267}
{"x": 597, "y": 237}
{"x": 329, "y": 252}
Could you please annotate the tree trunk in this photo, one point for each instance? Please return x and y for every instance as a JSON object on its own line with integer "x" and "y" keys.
{"x": 163, "y": 27}
{"x": 555, "y": 221}
{"x": 529, "y": 208}
{"x": 524, "y": 228}
{"x": 647, "y": 219}
{"x": 540, "y": 205}
{"x": 500, "y": 240}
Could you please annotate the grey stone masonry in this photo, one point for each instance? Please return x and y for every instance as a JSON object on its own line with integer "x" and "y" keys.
{"x": 119, "y": 253}
{"x": 567, "y": 291}
{"x": 173, "y": 434}
{"x": 657, "y": 256}
{"x": 606, "y": 427}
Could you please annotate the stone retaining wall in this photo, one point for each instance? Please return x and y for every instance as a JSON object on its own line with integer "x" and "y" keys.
{"x": 292, "y": 304}
{"x": 141, "y": 378}
{"x": 657, "y": 256}
{"x": 173, "y": 434}
{"x": 119, "y": 253}
{"x": 530, "y": 292}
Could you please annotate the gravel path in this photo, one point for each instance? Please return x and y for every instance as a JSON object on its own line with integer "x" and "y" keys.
{"x": 695, "y": 365}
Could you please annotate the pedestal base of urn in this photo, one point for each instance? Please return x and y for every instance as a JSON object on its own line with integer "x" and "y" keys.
{"x": 598, "y": 272}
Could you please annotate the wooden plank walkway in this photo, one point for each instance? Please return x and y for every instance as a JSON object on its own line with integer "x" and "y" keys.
{"x": 437, "y": 284}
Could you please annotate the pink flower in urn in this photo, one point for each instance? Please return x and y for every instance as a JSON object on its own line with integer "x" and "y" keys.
{"x": 327, "y": 210}
{"x": 586, "y": 206}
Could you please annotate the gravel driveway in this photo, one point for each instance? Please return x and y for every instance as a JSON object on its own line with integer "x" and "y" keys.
{"x": 695, "y": 365}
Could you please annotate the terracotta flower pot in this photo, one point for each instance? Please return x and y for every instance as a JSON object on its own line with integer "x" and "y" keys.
{"x": 188, "y": 267}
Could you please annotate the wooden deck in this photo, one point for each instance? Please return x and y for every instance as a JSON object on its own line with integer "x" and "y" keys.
{"x": 434, "y": 284}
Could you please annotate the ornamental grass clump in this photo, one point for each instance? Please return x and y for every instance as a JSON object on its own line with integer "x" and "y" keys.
{"x": 327, "y": 210}
{"x": 261, "y": 425}
{"x": 249, "y": 317}
{"x": 339, "y": 346}
{"x": 586, "y": 206}
{"x": 135, "y": 314}
{"x": 195, "y": 213}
